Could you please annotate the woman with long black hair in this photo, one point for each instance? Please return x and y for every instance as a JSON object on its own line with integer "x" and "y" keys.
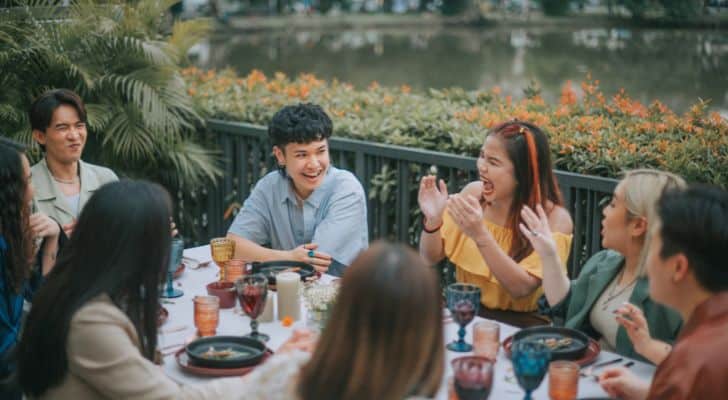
{"x": 21, "y": 273}
{"x": 92, "y": 332}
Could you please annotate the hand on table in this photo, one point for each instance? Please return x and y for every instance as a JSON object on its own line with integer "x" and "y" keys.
{"x": 306, "y": 253}
{"x": 620, "y": 382}
{"x": 43, "y": 226}
{"x": 301, "y": 339}
{"x": 538, "y": 231}
{"x": 432, "y": 200}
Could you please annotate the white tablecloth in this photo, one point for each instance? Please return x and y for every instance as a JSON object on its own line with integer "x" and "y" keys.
{"x": 180, "y": 328}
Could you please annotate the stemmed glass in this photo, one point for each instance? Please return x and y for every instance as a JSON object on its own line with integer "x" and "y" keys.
{"x": 463, "y": 301}
{"x": 222, "y": 250}
{"x": 530, "y": 363}
{"x": 175, "y": 258}
{"x": 252, "y": 292}
{"x": 473, "y": 377}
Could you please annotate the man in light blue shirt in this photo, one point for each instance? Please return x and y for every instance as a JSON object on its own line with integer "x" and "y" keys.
{"x": 307, "y": 210}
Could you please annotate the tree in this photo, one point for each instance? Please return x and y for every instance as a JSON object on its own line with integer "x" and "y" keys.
{"x": 141, "y": 121}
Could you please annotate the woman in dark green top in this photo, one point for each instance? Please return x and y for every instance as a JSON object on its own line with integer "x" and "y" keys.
{"x": 609, "y": 300}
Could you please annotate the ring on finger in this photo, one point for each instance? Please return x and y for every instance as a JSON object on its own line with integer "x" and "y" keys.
{"x": 311, "y": 254}
{"x": 534, "y": 233}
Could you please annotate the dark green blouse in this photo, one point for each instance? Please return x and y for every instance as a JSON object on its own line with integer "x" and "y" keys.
{"x": 573, "y": 311}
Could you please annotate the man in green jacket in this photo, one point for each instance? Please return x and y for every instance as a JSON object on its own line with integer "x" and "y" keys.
{"x": 63, "y": 183}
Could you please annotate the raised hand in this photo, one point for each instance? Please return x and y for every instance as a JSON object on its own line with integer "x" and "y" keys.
{"x": 467, "y": 213}
{"x": 432, "y": 199}
{"x": 623, "y": 384}
{"x": 307, "y": 254}
{"x": 634, "y": 322}
{"x": 538, "y": 231}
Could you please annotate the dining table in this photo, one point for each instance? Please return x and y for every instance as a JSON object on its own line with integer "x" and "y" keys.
{"x": 179, "y": 329}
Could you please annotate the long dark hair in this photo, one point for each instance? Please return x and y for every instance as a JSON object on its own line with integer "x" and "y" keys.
{"x": 528, "y": 148}
{"x": 120, "y": 247}
{"x": 385, "y": 338}
{"x": 14, "y": 215}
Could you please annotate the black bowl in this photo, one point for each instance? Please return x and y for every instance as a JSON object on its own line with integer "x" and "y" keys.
{"x": 250, "y": 351}
{"x": 271, "y": 268}
{"x": 575, "y": 349}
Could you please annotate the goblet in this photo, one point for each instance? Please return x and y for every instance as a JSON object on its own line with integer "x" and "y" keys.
{"x": 530, "y": 363}
{"x": 252, "y": 293}
{"x": 222, "y": 250}
{"x": 473, "y": 377}
{"x": 175, "y": 258}
{"x": 463, "y": 301}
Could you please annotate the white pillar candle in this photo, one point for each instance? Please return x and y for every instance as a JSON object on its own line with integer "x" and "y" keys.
{"x": 289, "y": 302}
{"x": 267, "y": 315}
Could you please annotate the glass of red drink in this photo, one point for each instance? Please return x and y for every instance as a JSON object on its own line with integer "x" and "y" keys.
{"x": 252, "y": 293}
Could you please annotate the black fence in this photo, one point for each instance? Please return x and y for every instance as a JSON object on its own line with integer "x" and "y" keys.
{"x": 390, "y": 176}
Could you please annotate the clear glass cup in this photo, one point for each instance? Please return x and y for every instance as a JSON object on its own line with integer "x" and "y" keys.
{"x": 563, "y": 380}
{"x": 486, "y": 339}
{"x": 206, "y": 315}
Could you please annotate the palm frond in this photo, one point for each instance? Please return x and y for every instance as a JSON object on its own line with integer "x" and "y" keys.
{"x": 186, "y": 34}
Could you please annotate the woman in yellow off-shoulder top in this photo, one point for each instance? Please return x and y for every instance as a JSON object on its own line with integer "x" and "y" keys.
{"x": 478, "y": 229}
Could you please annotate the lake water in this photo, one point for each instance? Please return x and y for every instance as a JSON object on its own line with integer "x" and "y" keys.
{"x": 675, "y": 66}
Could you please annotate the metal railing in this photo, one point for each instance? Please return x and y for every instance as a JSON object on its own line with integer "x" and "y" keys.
{"x": 390, "y": 176}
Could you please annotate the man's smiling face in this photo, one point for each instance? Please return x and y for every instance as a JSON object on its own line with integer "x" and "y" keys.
{"x": 305, "y": 163}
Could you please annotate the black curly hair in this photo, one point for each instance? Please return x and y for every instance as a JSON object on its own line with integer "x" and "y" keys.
{"x": 300, "y": 123}
{"x": 14, "y": 215}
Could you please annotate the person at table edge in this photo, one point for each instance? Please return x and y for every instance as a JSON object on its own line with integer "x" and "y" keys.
{"x": 477, "y": 229}
{"x": 687, "y": 271}
{"x": 63, "y": 183}
{"x": 308, "y": 210}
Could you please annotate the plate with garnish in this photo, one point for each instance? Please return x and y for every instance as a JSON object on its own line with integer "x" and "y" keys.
{"x": 225, "y": 351}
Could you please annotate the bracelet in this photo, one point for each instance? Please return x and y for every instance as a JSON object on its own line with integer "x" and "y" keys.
{"x": 424, "y": 226}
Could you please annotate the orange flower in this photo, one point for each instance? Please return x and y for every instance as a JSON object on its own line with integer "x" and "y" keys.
{"x": 374, "y": 85}
{"x": 304, "y": 91}
{"x": 405, "y": 89}
{"x": 292, "y": 91}
{"x": 387, "y": 99}
{"x": 568, "y": 96}
{"x": 287, "y": 321}
{"x": 191, "y": 91}
{"x": 496, "y": 90}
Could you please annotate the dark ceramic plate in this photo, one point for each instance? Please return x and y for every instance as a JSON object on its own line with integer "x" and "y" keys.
{"x": 246, "y": 351}
{"x": 271, "y": 268}
{"x": 574, "y": 350}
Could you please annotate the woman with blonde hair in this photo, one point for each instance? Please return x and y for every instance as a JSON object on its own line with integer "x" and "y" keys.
{"x": 609, "y": 300}
{"x": 384, "y": 339}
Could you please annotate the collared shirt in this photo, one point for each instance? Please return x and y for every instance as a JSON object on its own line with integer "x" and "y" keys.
{"x": 334, "y": 216}
{"x": 52, "y": 202}
{"x": 697, "y": 368}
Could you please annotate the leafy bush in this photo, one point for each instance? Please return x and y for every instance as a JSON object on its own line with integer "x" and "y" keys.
{"x": 555, "y": 7}
{"x": 589, "y": 134}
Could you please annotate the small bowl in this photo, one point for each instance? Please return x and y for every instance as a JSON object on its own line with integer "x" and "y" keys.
{"x": 225, "y": 291}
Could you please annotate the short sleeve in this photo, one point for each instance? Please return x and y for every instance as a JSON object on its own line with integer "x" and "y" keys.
{"x": 533, "y": 265}
{"x": 343, "y": 233}
{"x": 254, "y": 220}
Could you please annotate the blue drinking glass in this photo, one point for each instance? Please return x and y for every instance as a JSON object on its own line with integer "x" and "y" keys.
{"x": 530, "y": 363}
{"x": 175, "y": 258}
{"x": 463, "y": 301}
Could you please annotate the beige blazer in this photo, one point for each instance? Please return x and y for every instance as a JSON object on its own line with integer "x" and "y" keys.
{"x": 104, "y": 362}
{"x": 50, "y": 200}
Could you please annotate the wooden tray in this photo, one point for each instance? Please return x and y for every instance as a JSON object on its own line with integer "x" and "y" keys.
{"x": 591, "y": 354}
{"x": 184, "y": 362}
